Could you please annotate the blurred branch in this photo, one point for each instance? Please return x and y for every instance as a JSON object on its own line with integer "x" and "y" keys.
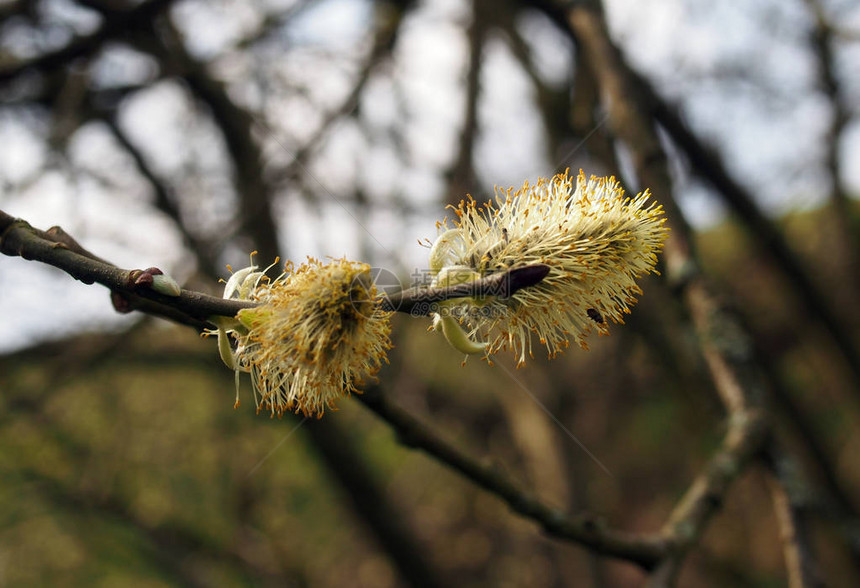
{"x": 385, "y": 36}
{"x": 584, "y": 109}
{"x": 115, "y": 24}
{"x": 164, "y": 42}
{"x": 822, "y": 42}
{"x": 708, "y": 165}
{"x": 838, "y": 506}
{"x": 578, "y": 109}
{"x": 163, "y": 200}
{"x": 553, "y": 103}
{"x": 726, "y": 345}
{"x": 643, "y": 550}
{"x": 460, "y": 178}
{"x": 369, "y": 498}
{"x": 789, "y": 515}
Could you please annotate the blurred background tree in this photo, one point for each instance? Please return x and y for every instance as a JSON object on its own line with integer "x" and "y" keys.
{"x": 711, "y": 441}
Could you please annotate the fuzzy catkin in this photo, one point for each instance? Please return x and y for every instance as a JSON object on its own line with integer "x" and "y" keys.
{"x": 317, "y": 335}
{"x": 595, "y": 241}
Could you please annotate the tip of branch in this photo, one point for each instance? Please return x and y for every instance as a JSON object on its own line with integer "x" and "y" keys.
{"x": 526, "y": 276}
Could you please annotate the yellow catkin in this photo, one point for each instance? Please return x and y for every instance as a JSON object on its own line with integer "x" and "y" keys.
{"x": 595, "y": 241}
{"x": 316, "y": 336}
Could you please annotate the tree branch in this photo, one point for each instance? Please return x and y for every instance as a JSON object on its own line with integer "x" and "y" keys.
{"x": 421, "y": 301}
{"x": 255, "y": 194}
{"x": 57, "y": 248}
{"x": 643, "y": 550}
{"x": 707, "y": 164}
{"x": 163, "y": 200}
{"x": 116, "y": 23}
{"x": 797, "y": 552}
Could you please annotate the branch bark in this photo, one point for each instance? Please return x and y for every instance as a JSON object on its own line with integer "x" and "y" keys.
{"x": 643, "y": 550}
{"x": 796, "y": 550}
{"x": 57, "y": 248}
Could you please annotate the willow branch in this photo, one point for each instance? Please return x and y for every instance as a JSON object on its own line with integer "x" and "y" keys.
{"x": 643, "y": 550}
{"x": 797, "y": 552}
{"x": 422, "y": 301}
{"x": 57, "y": 248}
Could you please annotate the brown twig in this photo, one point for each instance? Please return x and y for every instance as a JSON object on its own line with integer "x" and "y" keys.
{"x": 115, "y": 24}
{"x": 461, "y": 178}
{"x": 796, "y": 550}
{"x": 644, "y": 550}
{"x": 422, "y": 301}
{"x": 57, "y": 248}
